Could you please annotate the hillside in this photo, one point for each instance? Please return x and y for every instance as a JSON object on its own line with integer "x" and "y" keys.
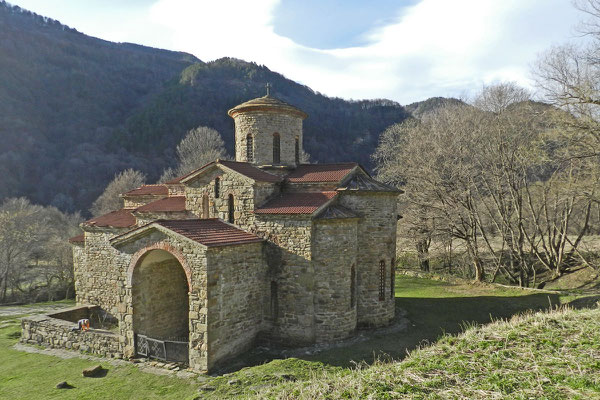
{"x": 74, "y": 109}
{"x": 424, "y": 107}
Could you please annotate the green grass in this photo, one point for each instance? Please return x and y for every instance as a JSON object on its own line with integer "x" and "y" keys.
{"x": 553, "y": 355}
{"x": 434, "y": 307}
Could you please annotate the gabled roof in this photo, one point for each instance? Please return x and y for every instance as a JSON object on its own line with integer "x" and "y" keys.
{"x": 336, "y": 211}
{"x": 208, "y": 232}
{"x": 77, "y": 239}
{"x": 315, "y": 173}
{"x": 175, "y": 203}
{"x": 360, "y": 182}
{"x": 122, "y": 218}
{"x": 296, "y": 203}
{"x": 243, "y": 168}
{"x": 251, "y": 171}
{"x": 149, "y": 190}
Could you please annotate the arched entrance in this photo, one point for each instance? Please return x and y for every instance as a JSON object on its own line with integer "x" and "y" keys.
{"x": 160, "y": 306}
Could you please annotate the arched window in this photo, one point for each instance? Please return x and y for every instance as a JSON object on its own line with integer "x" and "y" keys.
{"x": 217, "y": 187}
{"x": 381, "y": 280}
{"x": 205, "y": 205}
{"x": 297, "y": 150}
{"x": 276, "y": 148}
{"x": 274, "y": 302}
{"x": 249, "y": 148}
{"x": 352, "y": 287}
{"x": 393, "y": 278}
{"x": 231, "y": 209}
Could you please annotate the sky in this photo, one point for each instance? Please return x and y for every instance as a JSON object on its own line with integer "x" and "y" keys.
{"x": 403, "y": 50}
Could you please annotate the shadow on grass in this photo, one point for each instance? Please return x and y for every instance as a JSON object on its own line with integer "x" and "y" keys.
{"x": 430, "y": 318}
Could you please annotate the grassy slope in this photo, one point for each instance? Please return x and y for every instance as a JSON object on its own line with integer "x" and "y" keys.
{"x": 434, "y": 307}
{"x": 543, "y": 355}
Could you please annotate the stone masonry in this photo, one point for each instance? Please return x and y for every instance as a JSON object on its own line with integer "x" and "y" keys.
{"x": 236, "y": 252}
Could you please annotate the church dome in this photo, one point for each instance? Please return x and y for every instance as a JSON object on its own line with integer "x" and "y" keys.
{"x": 266, "y": 103}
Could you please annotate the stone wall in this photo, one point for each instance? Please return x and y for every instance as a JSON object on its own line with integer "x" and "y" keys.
{"x": 288, "y": 257}
{"x": 138, "y": 201}
{"x": 236, "y": 286}
{"x": 44, "y": 330}
{"x": 376, "y": 243}
{"x": 262, "y": 125}
{"x": 148, "y": 217}
{"x": 334, "y": 255}
{"x": 160, "y": 298}
{"x": 245, "y": 193}
{"x": 97, "y": 280}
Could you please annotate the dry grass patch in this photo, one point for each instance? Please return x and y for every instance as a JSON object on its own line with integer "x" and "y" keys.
{"x": 538, "y": 355}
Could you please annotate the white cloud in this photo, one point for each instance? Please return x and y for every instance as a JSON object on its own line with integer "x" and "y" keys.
{"x": 436, "y": 47}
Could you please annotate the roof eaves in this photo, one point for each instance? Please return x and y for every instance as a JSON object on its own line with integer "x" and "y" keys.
{"x": 323, "y": 206}
{"x": 130, "y": 236}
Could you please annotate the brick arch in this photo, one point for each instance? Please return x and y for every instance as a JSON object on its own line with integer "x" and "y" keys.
{"x": 141, "y": 253}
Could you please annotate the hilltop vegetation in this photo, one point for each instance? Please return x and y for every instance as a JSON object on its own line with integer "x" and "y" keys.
{"x": 76, "y": 110}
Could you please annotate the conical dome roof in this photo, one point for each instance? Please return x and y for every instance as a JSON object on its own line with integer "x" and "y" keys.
{"x": 266, "y": 103}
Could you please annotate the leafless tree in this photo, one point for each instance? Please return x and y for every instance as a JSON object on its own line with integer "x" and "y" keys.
{"x": 498, "y": 177}
{"x": 199, "y": 147}
{"x": 110, "y": 199}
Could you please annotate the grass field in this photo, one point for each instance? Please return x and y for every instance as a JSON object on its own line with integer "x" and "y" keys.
{"x": 433, "y": 307}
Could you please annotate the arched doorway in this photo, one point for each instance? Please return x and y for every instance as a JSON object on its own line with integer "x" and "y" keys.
{"x": 160, "y": 307}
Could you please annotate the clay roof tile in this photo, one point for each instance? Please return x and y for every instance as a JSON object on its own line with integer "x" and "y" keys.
{"x": 210, "y": 232}
{"x": 146, "y": 190}
{"x": 175, "y": 203}
{"x": 296, "y": 203}
{"x": 122, "y": 218}
{"x": 307, "y": 173}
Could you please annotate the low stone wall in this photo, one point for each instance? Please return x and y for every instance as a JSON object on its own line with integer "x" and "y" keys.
{"x": 45, "y": 330}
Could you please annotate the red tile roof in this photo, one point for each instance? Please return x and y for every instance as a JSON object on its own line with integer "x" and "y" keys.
{"x": 320, "y": 172}
{"x": 296, "y": 203}
{"x": 251, "y": 171}
{"x": 175, "y": 203}
{"x": 147, "y": 190}
{"x": 122, "y": 218}
{"x": 77, "y": 239}
{"x": 209, "y": 232}
{"x": 243, "y": 168}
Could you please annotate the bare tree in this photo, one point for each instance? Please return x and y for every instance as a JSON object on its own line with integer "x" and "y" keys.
{"x": 35, "y": 258}
{"x": 435, "y": 159}
{"x": 499, "y": 96}
{"x": 110, "y": 199}
{"x": 199, "y": 147}
{"x": 501, "y": 179}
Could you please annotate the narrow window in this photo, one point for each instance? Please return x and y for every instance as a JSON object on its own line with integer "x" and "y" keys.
{"x": 274, "y": 302}
{"x": 231, "y": 209}
{"x": 381, "y": 280}
{"x": 217, "y": 187}
{"x": 249, "y": 148}
{"x": 297, "y": 150}
{"x": 205, "y": 213}
{"x": 352, "y": 287}
{"x": 393, "y": 278}
{"x": 276, "y": 148}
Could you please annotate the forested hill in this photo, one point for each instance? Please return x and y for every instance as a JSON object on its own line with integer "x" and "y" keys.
{"x": 74, "y": 109}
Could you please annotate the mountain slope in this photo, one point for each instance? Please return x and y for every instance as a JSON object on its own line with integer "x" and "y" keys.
{"x": 75, "y": 110}
{"x": 335, "y": 130}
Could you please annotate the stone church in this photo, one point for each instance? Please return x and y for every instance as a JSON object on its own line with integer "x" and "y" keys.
{"x": 263, "y": 248}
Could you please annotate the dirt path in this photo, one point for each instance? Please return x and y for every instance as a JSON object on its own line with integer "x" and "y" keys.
{"x": 9, "y": 311}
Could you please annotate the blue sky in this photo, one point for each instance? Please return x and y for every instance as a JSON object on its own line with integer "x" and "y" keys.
{"x": 404, "y": 50}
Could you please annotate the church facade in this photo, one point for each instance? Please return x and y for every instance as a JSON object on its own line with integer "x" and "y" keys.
{"x": 260, "y": 248}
